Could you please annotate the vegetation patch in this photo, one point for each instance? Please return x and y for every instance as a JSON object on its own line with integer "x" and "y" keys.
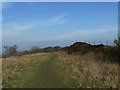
{"x": 88, "y": 72}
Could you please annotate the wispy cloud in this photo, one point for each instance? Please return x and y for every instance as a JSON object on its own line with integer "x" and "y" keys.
{"x": 10, "y": 29}
{"x": 56, "y": 20}
{"x": 84, "y": 33}
{"x": 17, "y": 28}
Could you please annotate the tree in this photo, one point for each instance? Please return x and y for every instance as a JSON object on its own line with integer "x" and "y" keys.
{"x": 10, "y": 51}
{"x": 116, "y": 42}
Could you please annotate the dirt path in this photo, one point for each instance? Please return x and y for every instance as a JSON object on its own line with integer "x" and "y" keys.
{"x": 47, "y": 76}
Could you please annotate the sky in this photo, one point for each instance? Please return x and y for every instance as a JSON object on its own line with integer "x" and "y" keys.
{"x": 46, "y": 24}
{"x": 60, "y": 0}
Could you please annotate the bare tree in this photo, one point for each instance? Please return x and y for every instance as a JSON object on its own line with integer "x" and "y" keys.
{"x": 9, "y": 51}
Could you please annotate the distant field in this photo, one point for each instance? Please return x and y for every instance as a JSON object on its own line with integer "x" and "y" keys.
{"x": 58, "y": 70}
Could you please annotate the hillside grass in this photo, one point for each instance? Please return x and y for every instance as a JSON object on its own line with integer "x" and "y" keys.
{"x": 58, "y": 70}
{"x": 90, "y": 72}
{"x": 41, "y": 70}
{"x": 17, "y": 70}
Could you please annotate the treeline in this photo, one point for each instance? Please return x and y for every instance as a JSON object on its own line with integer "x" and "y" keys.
{"x": 12, "y": 50}
{"x": 111, "y": 52}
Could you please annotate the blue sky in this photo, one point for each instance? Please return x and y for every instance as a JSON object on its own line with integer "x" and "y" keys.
{"x": 42, "y": 24}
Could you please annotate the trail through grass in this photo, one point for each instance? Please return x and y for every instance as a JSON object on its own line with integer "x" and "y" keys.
{"x": 58, "y": 70}
{"x": 32, "y": 71}
{"x": 46, "y": 75}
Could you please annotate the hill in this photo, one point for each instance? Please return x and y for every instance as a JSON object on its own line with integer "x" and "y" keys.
{"x": 58, "y": 70}
{"x": 111, "y": 52}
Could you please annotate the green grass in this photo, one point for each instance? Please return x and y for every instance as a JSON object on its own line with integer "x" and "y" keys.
{"x": 46, "y": 75}
{"x": 33, "y": 71}
{"x": 17, "y": 70}
{"x": 58, "y": 70}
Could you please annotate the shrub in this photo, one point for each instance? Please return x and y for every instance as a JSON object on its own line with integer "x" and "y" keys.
{"x": 35, "y": 49}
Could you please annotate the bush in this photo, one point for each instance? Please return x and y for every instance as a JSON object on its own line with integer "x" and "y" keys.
{"x": 35, "y": 49}
{"x": 23, "y": 53}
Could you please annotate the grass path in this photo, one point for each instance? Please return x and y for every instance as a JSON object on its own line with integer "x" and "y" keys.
{"x": 46, "y": 76}
{"x": 57, "y": 70}
{"x": 41, "y": 70}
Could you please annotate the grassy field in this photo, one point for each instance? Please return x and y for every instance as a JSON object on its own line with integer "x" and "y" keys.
{"x": 58, "y": 70}
{"x": 90, "y": 72}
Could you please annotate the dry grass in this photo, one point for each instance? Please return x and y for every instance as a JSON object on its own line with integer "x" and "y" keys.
{"x": 88, "y": 71}
{"x": 92, "y": 72}
{"x": 15, "y": 70}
